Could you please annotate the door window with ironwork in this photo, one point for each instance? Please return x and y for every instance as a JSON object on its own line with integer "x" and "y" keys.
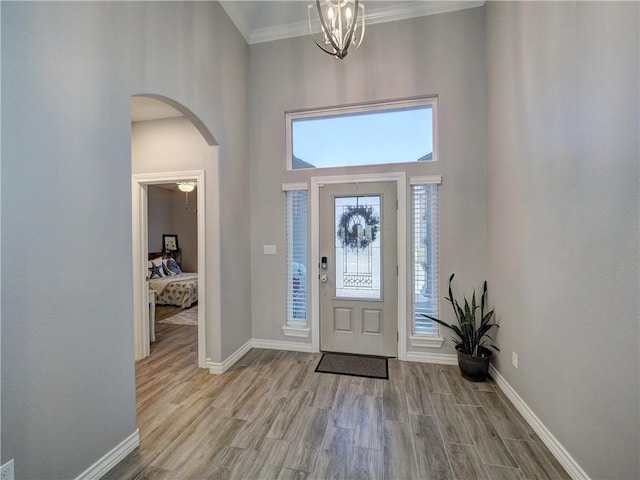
{"x": 357, "y": 247}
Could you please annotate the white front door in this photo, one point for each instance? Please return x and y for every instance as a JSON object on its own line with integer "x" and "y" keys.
{"x": 358, "y": 272}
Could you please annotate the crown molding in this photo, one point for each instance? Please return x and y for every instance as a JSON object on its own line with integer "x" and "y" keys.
{"x": 419, "y": 9}
{"x": 402, "y": 11}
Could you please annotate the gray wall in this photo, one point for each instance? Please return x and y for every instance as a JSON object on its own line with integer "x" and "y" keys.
{"x": 167, "y": 215}
{"x": 437, "y": 55}
{"x": 159, "y": 213}
{"x": 68, "y": 73}
{"x": 563, "y": 189}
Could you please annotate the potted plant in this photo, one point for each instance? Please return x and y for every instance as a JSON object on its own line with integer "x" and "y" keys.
{"x": 473, "y": 334}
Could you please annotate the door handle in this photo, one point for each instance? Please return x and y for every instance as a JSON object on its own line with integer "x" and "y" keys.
{"x": 324, "y": 277}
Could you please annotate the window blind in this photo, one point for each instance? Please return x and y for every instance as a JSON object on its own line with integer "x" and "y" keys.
{"x": 425, "y": 295}
{"x": 296, "y": 237}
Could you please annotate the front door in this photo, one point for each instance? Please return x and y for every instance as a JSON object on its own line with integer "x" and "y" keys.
{"x": 358, "y": 271}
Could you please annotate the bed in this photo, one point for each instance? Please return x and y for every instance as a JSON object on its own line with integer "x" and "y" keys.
{"x": 171, "y": 284}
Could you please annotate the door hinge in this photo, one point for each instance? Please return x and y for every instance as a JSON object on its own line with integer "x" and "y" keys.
{"x": 397, "y": 204}
{"x": 397, "y": 270}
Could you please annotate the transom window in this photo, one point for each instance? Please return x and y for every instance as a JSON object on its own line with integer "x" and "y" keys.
{"x": 382, "y": 133}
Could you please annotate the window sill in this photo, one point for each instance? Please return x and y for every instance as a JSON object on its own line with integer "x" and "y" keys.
{"x": 294, "y": 331}
{"x": 426, "y": 341}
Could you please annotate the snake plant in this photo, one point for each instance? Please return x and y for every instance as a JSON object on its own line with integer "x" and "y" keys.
{"x": 473, "y": 334}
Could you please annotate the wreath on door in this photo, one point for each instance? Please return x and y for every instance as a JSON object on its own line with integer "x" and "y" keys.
{"x": 358, "y": 227}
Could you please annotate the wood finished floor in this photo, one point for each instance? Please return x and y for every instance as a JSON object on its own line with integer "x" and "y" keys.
{"x": 272, "y": 417}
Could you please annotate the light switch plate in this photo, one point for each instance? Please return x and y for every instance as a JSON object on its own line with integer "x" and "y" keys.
{"x": 269, "y": 249}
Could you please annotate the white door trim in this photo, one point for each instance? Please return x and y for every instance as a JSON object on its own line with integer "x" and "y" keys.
{"x": 140, "y": 254}
{"x": 401, "y": 181}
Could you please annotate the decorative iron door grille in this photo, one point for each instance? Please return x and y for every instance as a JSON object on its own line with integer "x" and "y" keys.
{"x": 358, "y": 247}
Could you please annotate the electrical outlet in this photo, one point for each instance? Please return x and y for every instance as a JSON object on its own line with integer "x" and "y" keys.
{"x": 6, "y": 471}
{"x": 514, "y": 359}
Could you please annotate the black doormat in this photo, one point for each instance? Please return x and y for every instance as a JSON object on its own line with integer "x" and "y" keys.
{"x": 355, "y": 365}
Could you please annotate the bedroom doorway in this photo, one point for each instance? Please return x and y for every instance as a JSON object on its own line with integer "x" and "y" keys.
{"x": 143, "y": 304}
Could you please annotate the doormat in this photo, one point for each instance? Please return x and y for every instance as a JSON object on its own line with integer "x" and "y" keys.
{"x": 185, "y": 317}
{"x": 355, "y": 365}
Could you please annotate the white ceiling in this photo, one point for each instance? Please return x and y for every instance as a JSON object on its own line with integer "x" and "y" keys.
{"x": 267, "y": 20}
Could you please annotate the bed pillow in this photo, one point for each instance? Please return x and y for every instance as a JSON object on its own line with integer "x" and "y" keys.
{"x": 171, "y": 266}
{"x": 156, "y": 268}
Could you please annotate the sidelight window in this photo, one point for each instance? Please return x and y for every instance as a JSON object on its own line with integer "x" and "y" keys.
{"x": 425, "y": 294}
{"x": 296, "y": 257}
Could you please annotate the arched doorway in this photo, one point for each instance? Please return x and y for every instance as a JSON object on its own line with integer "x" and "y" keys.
{"x": 202, "y": 164}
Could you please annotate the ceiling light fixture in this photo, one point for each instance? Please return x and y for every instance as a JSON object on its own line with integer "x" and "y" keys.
{"x": 341, "y": 25}
{"x": 186, "y": 187}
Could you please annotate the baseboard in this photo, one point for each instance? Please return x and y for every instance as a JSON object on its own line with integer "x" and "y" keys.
{"x": 280, "y": 345}
{"x": 552, "y": 443}
{"x": 219, "y": 368}
{"x": 440, "y": 358}
{"x": 111, "y": 459}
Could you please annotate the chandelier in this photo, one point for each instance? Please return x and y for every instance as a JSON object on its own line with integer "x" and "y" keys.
{"x": 341, "y": 25}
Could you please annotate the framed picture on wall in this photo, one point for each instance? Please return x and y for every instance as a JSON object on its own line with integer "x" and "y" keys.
{"x": 170, "y": 242}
